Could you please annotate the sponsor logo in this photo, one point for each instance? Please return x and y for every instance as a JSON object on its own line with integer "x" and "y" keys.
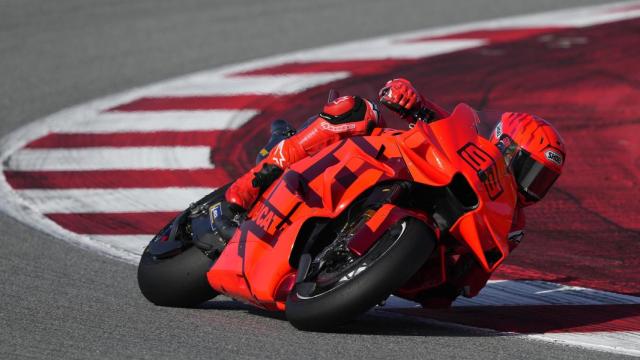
{"x": 215, "y": 211}
{"x": 499, "y": 130}
{"x": 337, "y": 128}
{"x": 267, "y": 220}
{"x": 484, "y": 166}
{"x": 340, "y": 99}
{"x": 553, "y": 156}
{"x": 278, "y": 157}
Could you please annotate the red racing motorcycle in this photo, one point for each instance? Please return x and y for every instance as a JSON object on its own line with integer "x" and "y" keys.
{"x": 342, "y": 230}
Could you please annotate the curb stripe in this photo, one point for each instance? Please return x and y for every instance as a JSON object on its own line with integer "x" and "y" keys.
{"x": 132, "y": 244}
{"x": 214, "y": 84}
{"x": 131, "y": 223}
{"x": 497, "y": 35}
{"x": 111, "y": 158}
{"x": 70, "y": 201}
{"x": 381, "y": 49}
{"x": 157, "y": 138}
{"x": 112, "y": 179}
{"x": 200, "y": 102}
{"x": 533, "y": 293}
{"x": 149, "y": 121}
{"x": 623, "y": 342}
{"x": 540, "y": 319}
{"x": 355, "y": 67}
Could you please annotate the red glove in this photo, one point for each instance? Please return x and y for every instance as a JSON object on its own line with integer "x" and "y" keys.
{"x": 399, "y": 96}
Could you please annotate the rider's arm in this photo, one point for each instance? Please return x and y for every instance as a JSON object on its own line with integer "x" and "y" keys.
{"x": 345, "y": 117}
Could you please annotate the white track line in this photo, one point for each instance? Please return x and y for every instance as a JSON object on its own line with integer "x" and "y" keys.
{"x": 521, "y": 293}
{"x": 148, "y": 121}
{"x": 134, "y": 244}
{"x": 584, "y": 17}
{"x": 70, "y": 201}
{"x": 111, "y": 158}
{"x": 508, "y": 292}
{"x": 214, "y": 84}
{"x": 386, "y": 49}
{"x": 620, "y": 342}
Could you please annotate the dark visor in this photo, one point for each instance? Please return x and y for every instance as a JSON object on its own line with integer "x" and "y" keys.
{"x": 534, "y": 178}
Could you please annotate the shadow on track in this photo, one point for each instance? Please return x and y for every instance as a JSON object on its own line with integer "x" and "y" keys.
{"x": 468, "y": 321}
{"x": 372, "y": 323}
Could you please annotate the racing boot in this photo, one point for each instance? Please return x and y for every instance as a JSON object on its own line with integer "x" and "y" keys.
{"x": 228, "y": 214}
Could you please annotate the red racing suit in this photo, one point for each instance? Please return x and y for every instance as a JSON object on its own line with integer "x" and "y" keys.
{"x": 343, "y": 118}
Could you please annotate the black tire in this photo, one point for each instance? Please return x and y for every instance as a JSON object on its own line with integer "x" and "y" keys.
{"x": 392, "y": 268}
{"x": 178, "y": 281}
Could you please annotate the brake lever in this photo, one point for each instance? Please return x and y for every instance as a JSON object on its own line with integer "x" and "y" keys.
{"x": 420, "y": 114}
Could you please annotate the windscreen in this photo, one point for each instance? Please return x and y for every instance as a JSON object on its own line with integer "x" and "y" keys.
{"x": 488, "y": 121}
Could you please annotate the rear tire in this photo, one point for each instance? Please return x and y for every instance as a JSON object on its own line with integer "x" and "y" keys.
{"x": 178, "y": 281}
{"x": 392, "y": 268}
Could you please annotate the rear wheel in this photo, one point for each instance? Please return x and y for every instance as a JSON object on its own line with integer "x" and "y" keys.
{"x": 176, "y": 281}
{"x": 346, "y": 286}
{"x": 172, "y": 270}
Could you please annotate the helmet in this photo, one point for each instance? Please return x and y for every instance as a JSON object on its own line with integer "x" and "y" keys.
{"x": 534, "y": 152}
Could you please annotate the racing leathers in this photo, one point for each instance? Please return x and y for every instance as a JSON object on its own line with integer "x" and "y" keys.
{"x": 342, "y": 118}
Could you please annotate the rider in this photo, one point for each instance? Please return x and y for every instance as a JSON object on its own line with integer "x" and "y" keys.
{"x": 532, "y": 148}
{"x": 342, "y": 118}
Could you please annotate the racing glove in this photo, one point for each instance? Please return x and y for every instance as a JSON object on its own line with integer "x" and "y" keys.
{"x": 399, "y": 96}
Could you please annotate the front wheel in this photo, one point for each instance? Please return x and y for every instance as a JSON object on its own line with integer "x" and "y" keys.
{"x": 341, "y": 293}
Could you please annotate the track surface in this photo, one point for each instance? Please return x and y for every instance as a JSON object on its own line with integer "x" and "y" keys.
{"x": 62, "y": 302}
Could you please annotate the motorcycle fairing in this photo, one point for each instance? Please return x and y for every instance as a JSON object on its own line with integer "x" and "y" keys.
{"x": 455, "y": 145}
{"x": 253, "y": 268}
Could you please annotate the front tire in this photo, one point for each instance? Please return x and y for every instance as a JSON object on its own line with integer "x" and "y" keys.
{"x": 178, "y": 281}
{"x": 389, "y": 264}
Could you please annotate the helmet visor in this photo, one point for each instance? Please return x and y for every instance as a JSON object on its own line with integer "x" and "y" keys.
{"x": 533, "y": 177}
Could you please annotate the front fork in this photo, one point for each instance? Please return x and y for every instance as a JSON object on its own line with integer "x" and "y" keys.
{"x": 382, "y": 213}
{"x": 379, "y": 222}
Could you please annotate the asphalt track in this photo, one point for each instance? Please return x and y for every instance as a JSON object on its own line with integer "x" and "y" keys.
{"x": 58, "y": 301}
